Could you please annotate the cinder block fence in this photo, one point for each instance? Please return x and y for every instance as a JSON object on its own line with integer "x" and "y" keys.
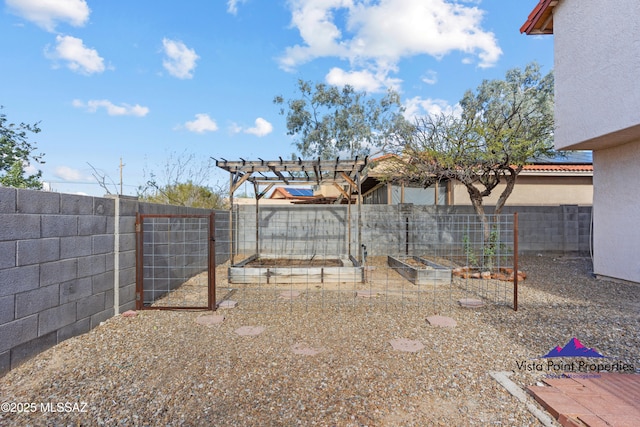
{"x": 67, "y": 262}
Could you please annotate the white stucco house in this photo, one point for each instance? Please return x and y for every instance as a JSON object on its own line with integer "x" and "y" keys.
{"x": 597, "y": 83}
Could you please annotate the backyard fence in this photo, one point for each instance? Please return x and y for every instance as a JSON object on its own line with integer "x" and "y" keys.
{"x": 321, "y": 254}
{"x": 68, "y": 262}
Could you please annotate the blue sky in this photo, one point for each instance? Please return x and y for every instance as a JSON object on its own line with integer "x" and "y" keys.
{"x": 140, "y": 80}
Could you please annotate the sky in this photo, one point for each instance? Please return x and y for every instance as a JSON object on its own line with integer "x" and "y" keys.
{"x": 152, "y": 83}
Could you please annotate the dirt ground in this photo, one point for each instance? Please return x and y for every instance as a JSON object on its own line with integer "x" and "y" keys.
{"x": 327, "y": 359}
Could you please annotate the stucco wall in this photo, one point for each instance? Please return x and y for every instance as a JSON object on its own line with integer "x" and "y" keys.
{"x": 537, "y": 191}
{"x": 617, "y": 212}
{"x": 597, "y": 64}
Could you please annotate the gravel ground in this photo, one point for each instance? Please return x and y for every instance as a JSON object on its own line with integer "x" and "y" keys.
{"x": 325, "y": 365}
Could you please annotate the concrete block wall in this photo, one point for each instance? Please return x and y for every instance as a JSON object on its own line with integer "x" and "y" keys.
{"x": 56, "y": 269}
{"x": 550, "y": 229}
{"x": 67, "y": 263}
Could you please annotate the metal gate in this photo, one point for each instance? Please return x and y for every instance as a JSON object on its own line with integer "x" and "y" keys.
{"x": 175, "y": 266}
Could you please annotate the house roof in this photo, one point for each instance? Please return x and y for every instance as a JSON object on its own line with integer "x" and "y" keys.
{"x": 291, "y": 193}
{"x": 566, "y": 163}
{"x": 557, "y": 168}
{"x": 540, "y": 20}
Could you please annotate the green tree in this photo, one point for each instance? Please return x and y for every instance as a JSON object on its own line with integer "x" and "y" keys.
{"x": 187, "y": 194}
{"x": 503, "y": 125}
{"x": 183, "y": 182}
{"x": 327, "y": 120}
{"x": 16, "y": 153}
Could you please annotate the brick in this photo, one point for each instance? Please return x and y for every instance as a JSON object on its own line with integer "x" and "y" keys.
{"x": 92, "y": 265}
{"x": 73, "y": 247}
{"x": 102, "y": 206}
{"x": 24, "y": 352}
{"x": 40, "y": 202}
{"x": 127, "y": 276}
{"x": 102, "y": 282}
{"x": 127, "y": 242}
{"x": 97, "y": 318}
{"x": 89, "y": 306}
{"x": 127, "y": 224}
{"x": 19, "y": 279}
{"x": 35, "y": 301}
{"x": 7, "y": 254}
{"x": 7, "y": 309}
{"x": 7, "y": 200}
{"x": 111, "y": 229}
{"x": 127, "y": 294}
{"x": 108, "y": 298}
{"x": 102, "y": 244}
{"x": 59, "y": 225}
{"x": 18, "y": 332}
{"x": 127, "y": 306}
{"x": 90, "y": 225}
{"x": 80, "y": 327}
{"x": 58, "y": 271}
{"x": 127, "y": 259}
{"x": 74, "y": 290}
{"x": 18, "y": 227}
{"x": 55, "y": 318}
{"x": 5, "y": 362}
{"x": 37, "y": 251}
{"x": 73, "y": 204}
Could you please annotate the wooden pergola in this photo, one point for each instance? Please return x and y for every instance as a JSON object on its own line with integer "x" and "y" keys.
{"x": 265, "y": 174}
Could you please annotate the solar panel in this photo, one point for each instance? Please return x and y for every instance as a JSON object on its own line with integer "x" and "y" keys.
{"x": 299, "y": 192}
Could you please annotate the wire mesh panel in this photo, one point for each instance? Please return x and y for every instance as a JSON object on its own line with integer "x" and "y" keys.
{"x": 175, "y": 259}
{"x": 340, "y": 258}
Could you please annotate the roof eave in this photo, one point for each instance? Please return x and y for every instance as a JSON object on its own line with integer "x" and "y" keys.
{"x": 540, "y": 20}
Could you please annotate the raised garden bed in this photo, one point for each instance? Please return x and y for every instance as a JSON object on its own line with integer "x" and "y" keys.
{"x": 420, "y": 271}
{"x": 271, "y": 269}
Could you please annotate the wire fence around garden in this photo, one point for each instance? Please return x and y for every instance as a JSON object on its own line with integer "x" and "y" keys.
{"x": 340, "y": 257}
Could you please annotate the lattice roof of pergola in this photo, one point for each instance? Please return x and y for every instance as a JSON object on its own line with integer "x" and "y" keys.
{"x": 270, "y": 172}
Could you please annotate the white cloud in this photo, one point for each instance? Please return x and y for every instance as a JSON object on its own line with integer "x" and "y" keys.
{"x": 377, "y": 35}
{"x": 232, "y": 6}
{"x": 69, "y": 174}
{"x": 234, "y": 128}
{"x": 113, "y": 110}
{"x": 180, "y": 61}
{"x": 261, "y": 128}
{"x": 203, "y": 123}
{"x": 47, "y": 13}
{"x": 418, "y": 107}
{"x": 430, "y": 77}
{"x": 364, "y": 80}
{"x": 79, "y": 58}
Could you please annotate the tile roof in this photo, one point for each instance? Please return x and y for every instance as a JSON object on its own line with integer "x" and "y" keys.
{"x": 540, "y": 20}
{"x": 558, "y": 168}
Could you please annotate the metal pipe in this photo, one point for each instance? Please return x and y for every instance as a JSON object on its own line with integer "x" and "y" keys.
{"x": 515, "y": 261}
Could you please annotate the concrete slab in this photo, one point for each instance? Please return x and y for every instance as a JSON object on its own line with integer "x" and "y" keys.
{"x": 367, "y": 294}
{"x": 210, "y": 319}
{"x": 227, "y": 304}
{"x": 249, "y": 330}
{"x": 305, "y": 350}
{"x": 404, "y": 344}
{"x": 289, "y": 294}
{"x": 470, "y": 303}
{"x": 441, "y": 321}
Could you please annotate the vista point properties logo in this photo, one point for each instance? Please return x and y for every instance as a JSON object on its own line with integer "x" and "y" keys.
{"x": 574, "y": 348}
{"x": 563, "y": 368}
